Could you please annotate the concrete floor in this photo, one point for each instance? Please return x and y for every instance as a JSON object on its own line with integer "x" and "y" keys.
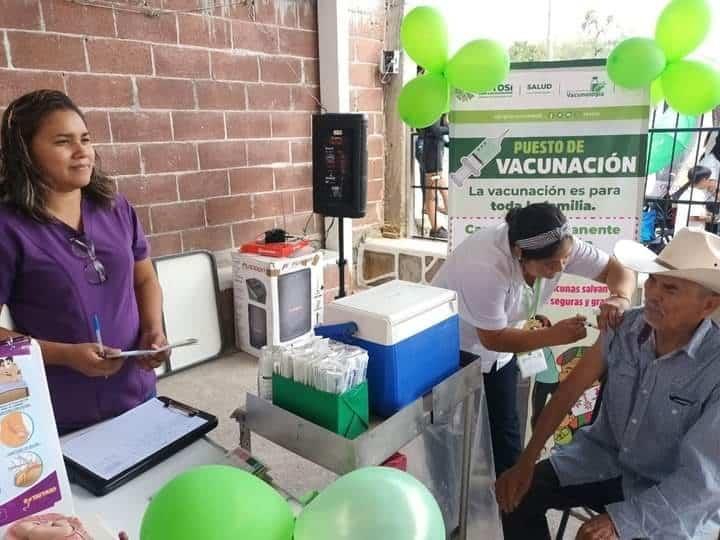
{"x": 219, "y": 386}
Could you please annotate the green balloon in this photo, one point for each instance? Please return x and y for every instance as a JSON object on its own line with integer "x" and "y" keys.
{"x": 478, "y": 66}
{"x": 691, "y": 87}
{"x": 667, "y": 147}
{"x": 635, "y": 63}
{"x": 375, "y": 503}
{"x": 217, "y": 502}
{"x": 656, "y": 92}
{"x": 682, "y": 26}
{"x": 423, "y": 100}
{"x": 424, "y": 36}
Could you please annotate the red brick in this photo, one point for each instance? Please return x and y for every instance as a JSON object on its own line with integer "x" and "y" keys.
{"x": 379, "y": 124}
{"x": 98, "y": 126}
{"x": 265, "y": 97}
{"x": 247, "y": 125}
{"x": 251, "y": 180}
{"x": 149, "y": 189}
{"x": 16, "y": 14}
{"x": 210, "y": 238}
{"x": 366, "y": 50}
{"x": 306, "y": 98}
{"x": 301, "y": 152}
{"x": 203, "y": 184}
{"x": 228, "y": 209}
{"x": 165, "y": 244}
{"x": 140, "y": 126}
{"x": 291, "y": 124}
{"x": 181, "y": 62}
{"x": 312, "y": 224}
{"x": 41, "y": 51}
{"x": 169, "y": 157}
{"x": 299, "y": 42}
{"x": 373, "y": 217}
{"x": 184, "y": 5}
{"x": 376, "y": 168}
{"x": 262, "y": 12}
{"x": 272, "y": 204}
{"x": 143, "y": 214}
{"x": 368, "y": 99}
{"x": 119, "y": 158}
{"x": 100, "y": 90}
{"x": 255, "y": 37}
{"x": 303, "y": 200}
{"x": 15, "y": 83}
{"x": 375, "y": 190}
{"x": 311, "y": 72}
{"x": 156, "y": 93}
{"x": 307, "y": 15}
{"x": 293, "y": 177}
{"x": 161, "y": 29}
{"x": 267, "y": 152}
{"x": 178, "y": 216}
{"x": 365, "y": 75}
{"x": 369, "y": 25}
{"x": 248, "y": 231}
{"x": 220, "y": 95}
{"x": 221, "y": 155}
{"x": 376, "y": 146}
{"x": 280, "y": 69}
{"x": 204, "y": 31}
{"x": 288, "y": 12}
{"x": 72, "y": 18}
{"x": 234, "y": 66}
{"x": 117, "y": 56}
{"x": 191, "y": 125}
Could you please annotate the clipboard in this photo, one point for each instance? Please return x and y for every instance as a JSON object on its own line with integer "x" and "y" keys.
{"x": 82, "y": 462}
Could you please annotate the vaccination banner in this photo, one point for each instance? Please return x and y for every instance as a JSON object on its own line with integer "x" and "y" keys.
{"x": 558, "y": 132}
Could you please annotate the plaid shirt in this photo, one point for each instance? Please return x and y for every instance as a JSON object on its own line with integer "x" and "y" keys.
{"x": 659, "y": 429}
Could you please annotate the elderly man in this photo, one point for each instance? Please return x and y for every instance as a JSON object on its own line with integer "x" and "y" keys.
{"x": 651, "y": 460}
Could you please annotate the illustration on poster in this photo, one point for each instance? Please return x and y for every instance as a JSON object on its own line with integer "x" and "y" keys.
{"x": 475, "y": 161}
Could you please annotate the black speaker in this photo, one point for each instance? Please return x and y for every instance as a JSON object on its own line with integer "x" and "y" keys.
{"x": 340, "y": 165}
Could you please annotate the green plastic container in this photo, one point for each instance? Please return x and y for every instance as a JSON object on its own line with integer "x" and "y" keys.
{"x": 345, "y": 414}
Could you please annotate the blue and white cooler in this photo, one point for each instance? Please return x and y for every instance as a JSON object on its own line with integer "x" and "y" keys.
{"x": 410, "y": 332}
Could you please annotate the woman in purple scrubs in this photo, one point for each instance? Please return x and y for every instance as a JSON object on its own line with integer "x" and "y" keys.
{"x": 70, "y": 249}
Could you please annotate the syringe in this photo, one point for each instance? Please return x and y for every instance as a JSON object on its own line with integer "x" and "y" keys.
{"x": 475, "y": 161}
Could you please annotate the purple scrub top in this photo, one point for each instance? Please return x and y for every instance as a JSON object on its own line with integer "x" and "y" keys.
{"x": 48, "y": 288}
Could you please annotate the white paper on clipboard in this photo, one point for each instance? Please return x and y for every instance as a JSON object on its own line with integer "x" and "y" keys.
{"x": 116, "y": 445}
{"x": 144, "y": 352}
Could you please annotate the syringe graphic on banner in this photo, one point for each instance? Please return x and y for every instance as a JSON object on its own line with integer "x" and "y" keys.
{"x": 475, "y": 161}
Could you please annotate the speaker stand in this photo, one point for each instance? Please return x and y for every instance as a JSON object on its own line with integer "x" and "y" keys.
{"x": 341, "y": 257}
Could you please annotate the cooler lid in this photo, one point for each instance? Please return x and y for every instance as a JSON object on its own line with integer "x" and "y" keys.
{"x": 395, "y": 301}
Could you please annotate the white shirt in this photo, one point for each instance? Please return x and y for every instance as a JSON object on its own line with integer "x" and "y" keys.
{"x": 682, "y": 211}
{"x": 490, "y": 286}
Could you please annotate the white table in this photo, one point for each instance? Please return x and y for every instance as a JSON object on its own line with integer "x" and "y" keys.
{"x": 123, "y": 509}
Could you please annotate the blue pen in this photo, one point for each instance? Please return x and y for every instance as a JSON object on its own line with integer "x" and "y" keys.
{"x": 98, "y": 335}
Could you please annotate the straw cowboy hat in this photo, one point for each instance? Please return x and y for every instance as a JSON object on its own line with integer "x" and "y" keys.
{"x": 692, "y": 254}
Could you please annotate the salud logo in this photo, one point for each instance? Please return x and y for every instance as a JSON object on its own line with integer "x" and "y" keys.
{"x": 596, "y": 88}
{"x": 540, "y": 88}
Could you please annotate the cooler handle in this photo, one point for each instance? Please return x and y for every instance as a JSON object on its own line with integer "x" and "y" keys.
{"x": 338, "y": 332}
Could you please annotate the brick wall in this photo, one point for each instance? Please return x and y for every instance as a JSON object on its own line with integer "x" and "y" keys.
{"x": 202, "y": 117}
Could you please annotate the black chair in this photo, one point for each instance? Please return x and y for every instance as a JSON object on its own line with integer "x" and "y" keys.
{"x": 583, "y": 513}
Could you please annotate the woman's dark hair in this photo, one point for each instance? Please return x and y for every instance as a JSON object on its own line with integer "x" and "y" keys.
{"x": 695, "y": 175}
{"x": 21, "y": 182}
{"x": 533, "y": 220}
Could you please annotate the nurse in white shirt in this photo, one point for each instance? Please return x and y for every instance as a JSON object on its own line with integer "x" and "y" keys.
{"x": 501, "y": 275}
{"x": 699, "y": 189}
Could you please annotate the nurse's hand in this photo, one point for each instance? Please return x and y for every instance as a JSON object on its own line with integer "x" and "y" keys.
{"x": 153, "y": 339}
{"x": 89, "y": 359}
{"x": 611, "y": 312}
{"x": 568, "y": 330}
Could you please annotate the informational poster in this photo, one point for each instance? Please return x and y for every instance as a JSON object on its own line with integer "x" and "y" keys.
{"x": 33, "y": 478}
{"x": 560, "y": 132}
